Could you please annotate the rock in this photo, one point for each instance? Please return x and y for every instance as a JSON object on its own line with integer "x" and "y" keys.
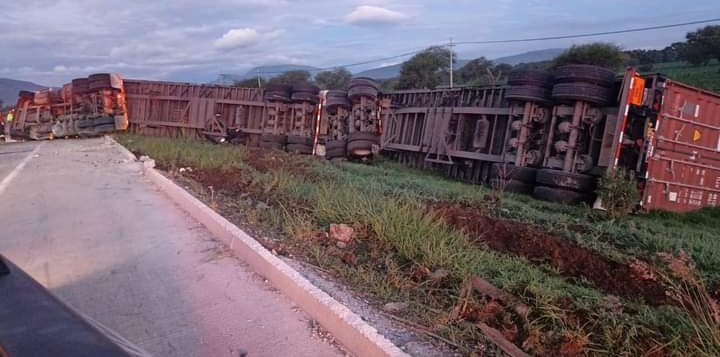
{"x": 395, "y": 306}
{"x": 439, "y": 274}
{"x": 262, "y": 205}
{"x": 341, "y": 232}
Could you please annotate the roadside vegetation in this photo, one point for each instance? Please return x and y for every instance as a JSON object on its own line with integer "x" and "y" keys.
{"x": 571, "y": 281}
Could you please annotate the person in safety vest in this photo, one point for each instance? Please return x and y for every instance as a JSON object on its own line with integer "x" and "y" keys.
{"x": 8, "y": 123}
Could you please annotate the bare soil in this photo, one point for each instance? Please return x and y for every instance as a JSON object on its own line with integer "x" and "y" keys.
{"x": 635, "y": 279}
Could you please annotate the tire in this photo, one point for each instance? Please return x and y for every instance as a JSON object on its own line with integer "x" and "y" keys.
{"x": 299, "y": 149}
{"x": 528, "y": 93}
{"x": 301, "y": 140}
{"x": 517, "y": 173}
{"x": 104, "y": 121}
{"x": 336, "y": 144}
{"x": 107, "y": 128}
{"x": 559, "y": 195}
{"x": 306, "y": 88}
{"x": 304, "y": 97}
{"x": 513, "y": 186}
{"x": 339, "y": 101}
{"x": 336, "y": 152}
{"x": 566, "y": 180}
{"x": 272, "y": 145}
{"x": 334, "y": 93}
{"x": 530, "y": 78}
{"x": 362, "y": 91}
{"x": 360, "y": 147}
{"x": 99, "y": 81}
{"x": 277, "y": 92}
{"x": 80, "y": 86}
{"x": 85, "y": 123}
{"x": 586, "y": 74}
{"x": 26, "y": 95}
{"x": 363, "y": 82}
{"x": 585, "y": 92}
{"x": 363, "y": 136}
{"x": 280, "y": 139}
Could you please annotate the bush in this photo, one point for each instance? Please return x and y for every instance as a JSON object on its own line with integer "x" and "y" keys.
{"x": 600, "y": 54}
{"x": 619, "y": 193}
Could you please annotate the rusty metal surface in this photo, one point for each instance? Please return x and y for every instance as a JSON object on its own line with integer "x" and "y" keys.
{"x": 191, "y": 110}
{"x": 683, "y": 170}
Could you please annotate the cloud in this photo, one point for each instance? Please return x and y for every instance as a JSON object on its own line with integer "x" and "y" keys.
{"x": 368, "y": 15}
{"x": 237, "y": 38}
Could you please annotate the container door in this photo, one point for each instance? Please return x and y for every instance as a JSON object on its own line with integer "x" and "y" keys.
{"x": 683, "y": 171}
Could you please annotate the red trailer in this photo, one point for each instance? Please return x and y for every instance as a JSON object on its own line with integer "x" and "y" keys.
{"x": 681, "y": 167}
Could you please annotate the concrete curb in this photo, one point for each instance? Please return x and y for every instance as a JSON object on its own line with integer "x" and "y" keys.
{"x": 348, "y": 328}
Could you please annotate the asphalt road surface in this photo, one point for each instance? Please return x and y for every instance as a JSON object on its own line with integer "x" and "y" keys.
{"x": 82, "y": 220}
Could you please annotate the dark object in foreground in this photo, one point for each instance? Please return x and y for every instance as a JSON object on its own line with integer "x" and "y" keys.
{"x": 33, "y": 322}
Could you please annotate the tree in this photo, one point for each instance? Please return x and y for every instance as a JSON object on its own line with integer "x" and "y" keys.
{"x": 291, "y": 78}
{"x": 250, "y": 83}
{"x": 338, "y": 78}
{"x": 599, "y": 54}
{"x": 475, "y": 72}
{"x": 702, "y": 45}
{"x": 427, "y": 69}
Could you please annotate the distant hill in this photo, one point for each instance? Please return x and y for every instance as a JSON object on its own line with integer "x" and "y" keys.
{"x": 265, "y": 72}
{"x": 526, "y": 57}
{"x": 9, "y": 89}
{"x": 531, "y": 56}
{"x": 392, "y": 71}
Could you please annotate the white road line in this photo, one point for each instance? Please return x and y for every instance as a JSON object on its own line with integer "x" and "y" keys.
{"x": 6, "y": 181}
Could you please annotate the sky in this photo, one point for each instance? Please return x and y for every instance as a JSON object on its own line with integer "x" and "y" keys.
{"x": 52, "y": 41}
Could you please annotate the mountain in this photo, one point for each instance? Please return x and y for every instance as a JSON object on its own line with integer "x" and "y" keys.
{"x": 392, "y": 71}
{"x": 9, "y": 89}
{"x": 531, "y": 56}
{"x": 386, "y": 72}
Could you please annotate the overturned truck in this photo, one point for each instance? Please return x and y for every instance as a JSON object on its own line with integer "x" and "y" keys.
{"x": 85, "y": 107}
{"x": 548, "y": 134}
{"x": 553, "y": 135}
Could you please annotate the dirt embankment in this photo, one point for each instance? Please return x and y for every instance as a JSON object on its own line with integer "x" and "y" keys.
{"x": 634, "y": 279}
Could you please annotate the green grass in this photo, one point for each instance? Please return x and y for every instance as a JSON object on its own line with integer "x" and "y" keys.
{"x": 388, "y": 201}
{"x": 705, "y": 77}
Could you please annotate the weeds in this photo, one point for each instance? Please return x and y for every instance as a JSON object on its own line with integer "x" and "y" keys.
{"x": 401, "y": 245}
{"x": 618, "y": 191}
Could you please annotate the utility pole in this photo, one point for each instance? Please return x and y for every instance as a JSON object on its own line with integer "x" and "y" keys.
{"x": 450, "y": 47}
{"x": 258, "y": 75}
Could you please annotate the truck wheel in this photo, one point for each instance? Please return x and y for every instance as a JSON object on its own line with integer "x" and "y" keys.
{"x": 528, "y": 93}
{"x": 336, "y": 152}
{"x": 567, "y": 180}
{"x": 360, "y": 147}
{"x": 104, "y": 121}
{"x": 585, "y": 92}
{"x": 336, "y": 144}
{"x": 299, "y": 149}
{"x": 302, "y": 140}
{"x": 513, "y": 186}
{"x": 585, "y": 73}
{"x": 518, "y": 173}
{"x": 360, "y": 91}
{"x": 363, "y": 82}
{"x": 530, "y": 78}
{"x": 281, "y": 139}
{"x": 99, "y": 81}
{"x": 559, "y": 195}
{"x": 363, "y": 135}
{"x": 272, "y": 145}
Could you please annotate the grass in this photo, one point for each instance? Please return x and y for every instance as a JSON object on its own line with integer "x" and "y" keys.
{"x": 705, "y": 77}
{"x": 397, "y": 238}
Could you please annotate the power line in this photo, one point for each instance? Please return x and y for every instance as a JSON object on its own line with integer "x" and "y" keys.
{"x": 591, "y": 34}
{"x": 531, "y": 39}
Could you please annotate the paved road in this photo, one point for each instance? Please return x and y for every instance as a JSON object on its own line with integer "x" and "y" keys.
{"x": 83, "y": 222}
